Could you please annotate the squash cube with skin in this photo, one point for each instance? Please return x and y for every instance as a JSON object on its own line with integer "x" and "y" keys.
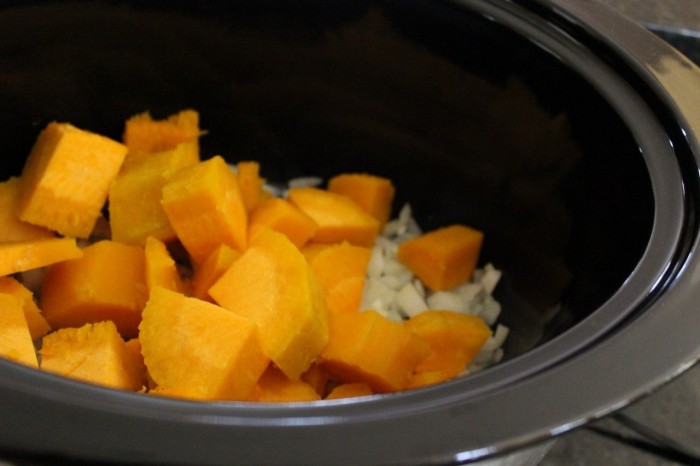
{"x": 13, "y": 229}
{"x": 443, "y": 258}
{"x": 107, "y": 283}
{"x": 29, "y": 255}
{"x": 196, "y": 349}
{"x": 273, "y": 285}
{"x": 374, "y": 194}
{"x": 65, "y": 180}
{"x": 94, "y": 353}
{"x": 15, "y": 340}
{"x": 205, "y": 208}
{"x": 36, "y": 323}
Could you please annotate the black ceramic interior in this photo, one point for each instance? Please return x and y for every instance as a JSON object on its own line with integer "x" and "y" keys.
{"x": 473, "y": 123}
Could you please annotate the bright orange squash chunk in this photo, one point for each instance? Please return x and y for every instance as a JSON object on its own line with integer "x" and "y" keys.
{"x": 38, "y": 327}
{"x": 317, "y": 377}
{"x": 251, "y": 184}
{"x": 281, "y": 215}
{"x": 144, "y": 135}
{"x": 274, "y": 386}
{"x": 66, "y": 177}
{"x": 367, "y": 347}
{"x": 161, "y": 269}
{"x": 205, "y": 208}
{"x": 337, "y": 217}
{"x": 373, "y": 193}
{"x": 94, "y": 353}
{"x": 15, "y": 340}
{"x": 198, "y": 349}
{"x": 11, "y": 227}
{"x": 29, "y": 255}
{"x": 349, "y": 390}
{"x": 107, "y": 283}
{"x": 273, "y": 285}
{"x": 206, "y": 274}
{"x": 443, "y": 258}
{"x": 341, "y": 270}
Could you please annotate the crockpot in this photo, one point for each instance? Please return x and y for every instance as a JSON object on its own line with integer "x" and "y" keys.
{"x": 566, "y": 133}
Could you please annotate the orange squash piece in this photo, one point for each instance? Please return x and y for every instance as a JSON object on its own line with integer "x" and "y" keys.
{"x": 251, "y": 184}
{"x": 144, "y": 135}
{"x": 274, "y": 386}
{"x": 38, "y": 327}
{"x": 311, "y": 249}
{"x": 337, "y": 217}
{"x": 281, "y": 215}
{"x": 28, "y": 255}
{"x": 373, "y": 193}
{"x": 161, "y": 269}
{"x": 349, "y": 390}
{"x": 65, "y": 180}
{"x": 206, "y": 274}
{"x": 273, "y": 285}
{"x": 317, "y": 377}
{"x": 11, "y": 227}
{"x": 454, "y": 339}
{"x": 93, "y": 353}
{"x": 367, "y": 347}
{"x": 135, "y": 211}
{"x": 443, "y": 258}
{"x": 341, "y": 270}
{"x": 205, "y": 208}
{"x": 15, "y": 340}
{"x": 107, "y": 283}
{"x": 198, "y": 349}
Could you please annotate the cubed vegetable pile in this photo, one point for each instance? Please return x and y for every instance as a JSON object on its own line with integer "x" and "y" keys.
{"x": 140, "y": 265}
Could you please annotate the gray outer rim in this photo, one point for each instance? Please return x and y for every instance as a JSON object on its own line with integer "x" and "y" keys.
{"x": 523, "y": 401}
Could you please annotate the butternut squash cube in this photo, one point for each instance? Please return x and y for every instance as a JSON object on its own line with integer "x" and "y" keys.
{"x": 144, "y": 135}
{"x": 205, "y": 208}
{"x": 273, "y": 285}
{"x": 317, "y": 377}
{"x": 38, "y": 327}
{"x": 29, "y": 255}
{"x": 373, "y": 193}
{"x": 341, "y": 270}
{"x": 367, "y": 347}
{"x": 443, "y": 258}
{"x": 11, "y": 227}
{"x": 206, "y": 274}
{"x": 274, "y": 386}
{"x": 15, "y": 341}
{"x": 198, "y": 349}
{"x": 65, "y": 180}
{"x": 281, "y": 215}
{"x": 337, "y": 217}
{"x": 94, "y": 353}
{"x": 107, "y": 283}
{"x": 135, "y": 211}
{"x": 251, "y": 184}
{"x": 161, "y": 269}
{"x": 349, "y": 390}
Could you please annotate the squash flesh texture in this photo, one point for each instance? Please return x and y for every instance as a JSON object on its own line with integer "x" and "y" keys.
{"x": 273, "y": 285}
{"x": 29, "y": 255}
{"x": 274, "y": 386}
{"x": 341, "y": 271}
{"x": 36, "y": 323}
{"x": 212, "y": 269}
{"x": 251, "y": 184}
{"x": 134, "y": 198}
{"x": 11, "y": 227}
{"x": 161, "y": 269}
{"x": 374, "y": 194}
{"x": 350, "y": 390}
{"x": 15, "y": 340}
{"x": 194, "y": 347}
{"x": 66, "y": 178}
{"x": 107, "y": 283}
{"x": 281, "y": 215}
{"x": 205, "y": 208}
{"x": 366, "y": 347}
{"x": 94, "y": 353}
{"x": 443, "y": 258}
{"x": 337, "y": 217}
{"x": 144, "y": 135}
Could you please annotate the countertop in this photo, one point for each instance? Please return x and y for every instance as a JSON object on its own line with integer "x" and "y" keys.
{"x": 674, "y": 409}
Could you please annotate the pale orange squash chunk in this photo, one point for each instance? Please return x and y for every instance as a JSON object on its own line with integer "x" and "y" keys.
{"x": 66, "y": 178}
{"x": 281, "y": 215}
{"x": 341, "y": 271}
{"x": 205, "y": 208}
{"x": 161, "y": 269}
{"x": 107, "y": 283}
{"x": 274, "y": 386}
{"x": 94, "y": 353}
{"x": 11, "y": 227}
{"x": 206, "y": 274}
{"x": 15, "y": 339}
{"x": 198, "y": 349}
{"x": 367, "y": 347}
{"x": 373, "y": 193}
{"x": 38, "y": 327}
{"x": 273, "y": 285}
{"x": 28, "y": 255}
{"x": 443, "y": 258}
{"x": 135, "y": 211}
{"x": 337, "y": 217}
{"x": 144, "y": 135}
{"x": 349, "y": 390}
